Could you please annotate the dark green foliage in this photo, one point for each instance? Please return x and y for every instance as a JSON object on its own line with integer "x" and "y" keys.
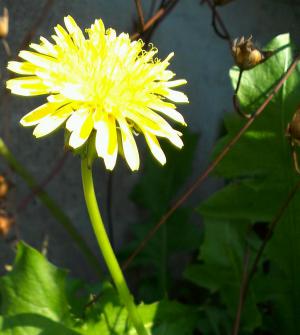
{"x": 35, "y": 302}
{"x": 155, "y": 192}
{"x": 260, "y": 175}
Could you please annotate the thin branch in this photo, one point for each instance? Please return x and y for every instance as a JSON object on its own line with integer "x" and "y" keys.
{"x": 213, "y": 164}
{"x": 218, "y": 21}
{"x": 140, "y": 13}
{"x": 159, "y": 15}
{"x": 249, "y": 275}
{"x": 148, "y": 34}
{"x": 242, "y": 293}
{"x": 152, "y": 7}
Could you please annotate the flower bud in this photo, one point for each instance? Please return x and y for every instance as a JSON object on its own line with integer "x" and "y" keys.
{"x": 4, "y": 23}
{"x": 245, "y": 54}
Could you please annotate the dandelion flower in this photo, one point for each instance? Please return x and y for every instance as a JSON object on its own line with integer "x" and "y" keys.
{"x": 103, "y": 84}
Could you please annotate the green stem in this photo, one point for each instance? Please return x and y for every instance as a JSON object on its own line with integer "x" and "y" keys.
{"x": 53, "y": 207}
{"x": 105, "y": 246}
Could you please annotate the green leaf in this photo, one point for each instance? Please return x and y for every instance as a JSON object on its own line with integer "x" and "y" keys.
{"x": 222, "y": 255}
{"x": 33, "y": 297}
{"x": 260, "y": 174}
{"x": 162, "y": 318}
{"x": 34, "y": 302}
{"x": 155, "y": 191}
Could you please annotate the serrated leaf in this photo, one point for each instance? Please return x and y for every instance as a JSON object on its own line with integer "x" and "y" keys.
{"x": 155, "y": 191}
{"x": 162, "y": 318}
{"x": 260, "y": 175}
{"x": 220, "y": 270}
{"x": 33, "y": 297}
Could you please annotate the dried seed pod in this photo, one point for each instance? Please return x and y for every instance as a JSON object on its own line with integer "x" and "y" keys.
{"x": 4, "y": 186}
{"x": 245, "y": 54}
{"x": 6, "y": 222}
{"x": 221, "y": 2}
{"x": 4, "y": 23}
{"x": 294, "y": 128}
{"x": 293, "y": 132}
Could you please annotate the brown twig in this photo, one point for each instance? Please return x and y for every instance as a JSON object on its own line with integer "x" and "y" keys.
{"x": 58, "y": 166}
{"x": 242, "y": 288}
{"x": 249, "y": 275}
{"x": 213, "y": 164}
{"x": 159, "y": 15}
{"x": 218, "y": 21}
{"x": 140, "y": 13}
{"x": 148, "y": 34}
{"x": 152, "y": 7}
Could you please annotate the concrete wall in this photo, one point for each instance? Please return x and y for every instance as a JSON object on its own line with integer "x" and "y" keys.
{"x": 201, "y": 57}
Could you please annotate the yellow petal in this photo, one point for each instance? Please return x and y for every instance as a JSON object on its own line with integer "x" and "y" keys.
{"x": 155, "y": 147}
{"x": 74, "y": 30}
{"x": 64, "y": 39}
{"x": 111, "y": 34}
{"x": 175, "y": 83}
{"x": 106, "y": 141}
{"x": 102, "y": 134}
{"x": 57, "y": 98}
{"x": 76, "y": 120}
{"x": 176, "y": 140}
{"x": 38, "y": 59}
{"x": 165, "y": 75}
{"x": 47, "y": 126}
{"x": 96, "y": 31}
{"x": 81, "y": 134}
{"x": 170, "y": 55}
{"x": 52, "y": 122}
{"x": 73, "y": 91}
{"x": 27, "y": 86}
{"x": 40, "y": 48}
{"x": 21, "y": 67}
{"x": 112, "y": 149}
{"x": 129, "y": 146}
{"x": 167, "y": 109}
{"x": 151, "y": 121}
{"x": 176, "y": 96}
{"x": 51, "y": 49}
{"x": 35, "y": 116}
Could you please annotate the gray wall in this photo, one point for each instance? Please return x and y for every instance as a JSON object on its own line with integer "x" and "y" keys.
{"x": 200, "y": 57}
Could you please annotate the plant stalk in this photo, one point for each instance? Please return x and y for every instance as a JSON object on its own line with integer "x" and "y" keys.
{"x": 106, "y": 248}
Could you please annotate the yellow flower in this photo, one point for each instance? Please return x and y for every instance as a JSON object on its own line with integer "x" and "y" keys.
{"x": 105, "y": 84}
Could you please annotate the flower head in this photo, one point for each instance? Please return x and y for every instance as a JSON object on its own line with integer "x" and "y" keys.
{"x": 104, "y": 84}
